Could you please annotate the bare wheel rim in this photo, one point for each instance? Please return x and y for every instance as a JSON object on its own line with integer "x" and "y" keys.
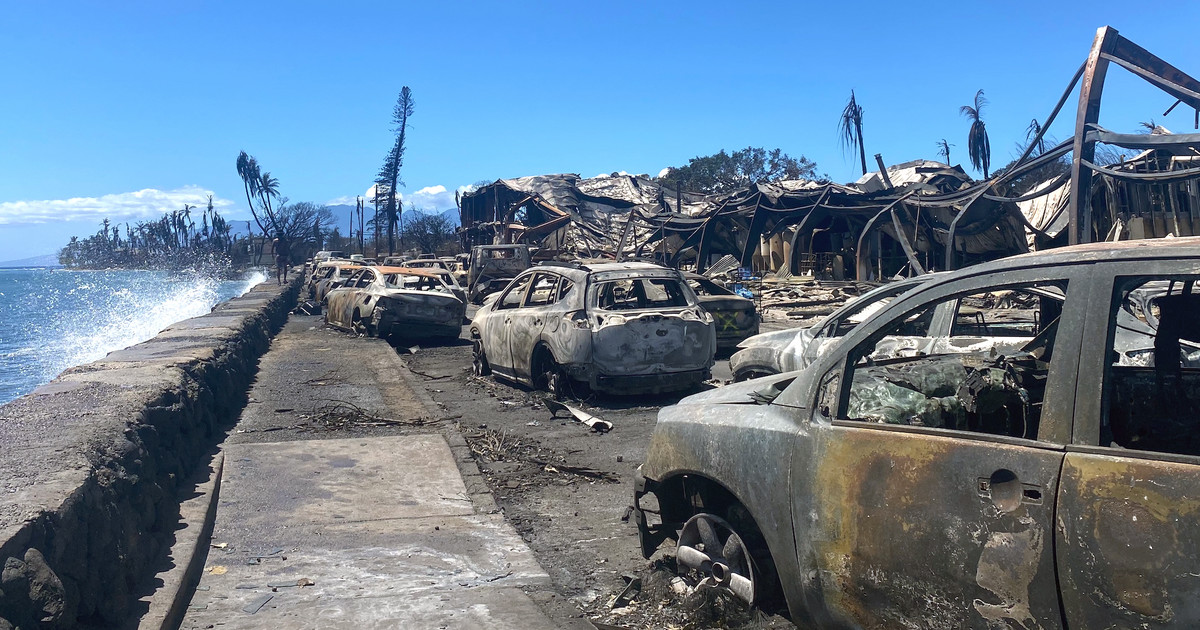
{"x": 550, "y": 376}
{"x": 479, "y": 362}
{"x": 710, "y": 548}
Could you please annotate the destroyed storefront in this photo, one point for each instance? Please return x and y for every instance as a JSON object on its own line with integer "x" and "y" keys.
{"x": 867, "y": 230}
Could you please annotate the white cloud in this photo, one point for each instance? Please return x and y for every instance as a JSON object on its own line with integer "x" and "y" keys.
{"x": 344, "y": 201}
{"x": 429, "y": 198}
{"x": 663, "y": 173}
{"x": 129, "y": 206}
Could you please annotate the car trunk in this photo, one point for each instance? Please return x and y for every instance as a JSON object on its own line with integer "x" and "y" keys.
{"x": 651, "y": 342}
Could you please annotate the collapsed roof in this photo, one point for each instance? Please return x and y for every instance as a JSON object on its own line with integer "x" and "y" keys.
{"x": 912, "y": 217}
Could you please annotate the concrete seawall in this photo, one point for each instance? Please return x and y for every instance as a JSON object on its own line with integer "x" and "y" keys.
{"x": 91, "y": 464}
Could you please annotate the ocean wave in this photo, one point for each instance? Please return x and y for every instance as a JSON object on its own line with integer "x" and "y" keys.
{"x": 71, "y": 318}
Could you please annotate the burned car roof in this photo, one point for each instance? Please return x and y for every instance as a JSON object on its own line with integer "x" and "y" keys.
{"x": 429, "y": 272}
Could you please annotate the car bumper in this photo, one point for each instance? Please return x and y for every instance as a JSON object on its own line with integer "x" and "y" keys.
{"x": 400, "y": 327}
{"x": 651, "y": 531}
{"x": 648, "y": 383}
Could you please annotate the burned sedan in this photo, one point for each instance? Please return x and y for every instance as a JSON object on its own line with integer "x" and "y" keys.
{"x": 329, "y": 276}
{"x": 614, "y": 327}
{"x": 398, "y": 301}
{"x": 1054, "y": 484}
{"x": 734, "y": 316}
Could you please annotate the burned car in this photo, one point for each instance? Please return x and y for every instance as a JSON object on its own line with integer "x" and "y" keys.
{"x": 383, "y": 301}
{"x": 794, "y": 348}
{"x": 329, "y": 276}
{"x": 734, "y": 316}
{"x": 615, "y": 327}
{"x": 491, "y": 267}
{"x": 1050, "y": 485}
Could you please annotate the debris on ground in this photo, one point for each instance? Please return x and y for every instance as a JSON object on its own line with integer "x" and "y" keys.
{"x": 338, "y": 415}
{"x": 307, "y": 307}
{"x": 500, "y": 446}
{"x": 581, "y": 416}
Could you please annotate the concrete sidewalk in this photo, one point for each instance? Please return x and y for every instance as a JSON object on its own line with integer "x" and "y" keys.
{"x": 369, "y": 531}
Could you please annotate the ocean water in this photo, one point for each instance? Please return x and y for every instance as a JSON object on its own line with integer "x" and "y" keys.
{"x": 54, "y": 319}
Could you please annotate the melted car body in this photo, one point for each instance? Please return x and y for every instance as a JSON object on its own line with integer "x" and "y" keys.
{"x": 734, "y": 316}
{"x": 329, "y": 276}
{"x": 616, "y": 327}
{"x": 400, "y": 301}
{"x": 1051, "y": 483}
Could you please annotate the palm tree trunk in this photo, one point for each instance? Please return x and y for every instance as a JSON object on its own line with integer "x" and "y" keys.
{"x": 862, "y": 151}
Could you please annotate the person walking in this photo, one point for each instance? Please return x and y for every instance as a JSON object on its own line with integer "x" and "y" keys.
{"x": 282, "y": 259}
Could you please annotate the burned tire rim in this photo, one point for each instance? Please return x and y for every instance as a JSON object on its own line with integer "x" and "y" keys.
{"x": 362, "y": 326}
{"x": 548, "y": 375}
{"x": 479, "y": 362}
{"x": 710, "y": 549}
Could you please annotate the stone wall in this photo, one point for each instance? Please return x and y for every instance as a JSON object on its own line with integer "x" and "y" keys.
{"x": 91, "y": 463}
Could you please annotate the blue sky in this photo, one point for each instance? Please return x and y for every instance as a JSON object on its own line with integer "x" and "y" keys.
{"x": 133, "y": 108}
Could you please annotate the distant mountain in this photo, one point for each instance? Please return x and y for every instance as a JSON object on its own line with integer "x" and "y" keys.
{"x": 341, "y": 215}
{"x": 341, "y": 218}
{"x": 48, "y": 260}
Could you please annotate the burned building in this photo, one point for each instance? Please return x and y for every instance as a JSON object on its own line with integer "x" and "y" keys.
{"x": 906, "y": 219}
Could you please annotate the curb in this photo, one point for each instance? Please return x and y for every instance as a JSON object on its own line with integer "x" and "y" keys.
{"x": 477, "y": 488}
{"x": 190, "y": 552}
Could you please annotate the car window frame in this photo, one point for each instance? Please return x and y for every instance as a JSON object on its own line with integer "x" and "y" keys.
{"x": 804, "y": 393}
{"x": 1090, "y": 408}
{"x": 515, "y": 285}
{"x": 553, "y": 299}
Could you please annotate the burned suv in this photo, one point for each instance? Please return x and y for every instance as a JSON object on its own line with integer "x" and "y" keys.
{"x": 615, "y": 327}
{"x": 1050, "y": 482}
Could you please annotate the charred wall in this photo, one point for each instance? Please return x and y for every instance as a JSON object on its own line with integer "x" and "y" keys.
{"x": 93, "y": 461}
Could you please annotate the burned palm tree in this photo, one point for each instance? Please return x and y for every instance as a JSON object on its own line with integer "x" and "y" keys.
{"x": 850, "y": 130}
{"x": 1034, "y": 133}
{"x": 978, "y": 147}
{"x": 944, "y": 150}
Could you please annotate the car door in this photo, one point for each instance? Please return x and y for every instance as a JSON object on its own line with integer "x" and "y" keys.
{"x": 341, "y": 300}
{"x": 528, "y": 320}
{"x": 923, "y": 489}
{"x": 498, "y": 344}
{"x": 1129, "y": 501}
{"x": 362, "y": 299}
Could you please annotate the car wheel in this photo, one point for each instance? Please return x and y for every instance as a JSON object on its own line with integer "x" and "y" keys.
{"x": 363, "y": 326}
{"x": 711, "y": 549}
{"x": 752, "y": 372}
{"x": 479, "y": 362}
{"x": 547, "y": 375}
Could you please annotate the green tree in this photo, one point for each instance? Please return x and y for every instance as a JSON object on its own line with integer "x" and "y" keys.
{"x": 978, "y": 147}
{"x": 850, "y": 130}
{"x": 248, "y": 170}
{"x": 723, "y": 172}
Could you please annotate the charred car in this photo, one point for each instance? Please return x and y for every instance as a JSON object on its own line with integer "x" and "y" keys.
{"x": 329, "y": 276}
{"x": 1050, "y": 485}
{"x": 615, "y": 327}
{"x": 794, "y": 348}
{"x": 383, "y": 301}
{"x": 492, "y": 267}
{"x": 734, "y": 316}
